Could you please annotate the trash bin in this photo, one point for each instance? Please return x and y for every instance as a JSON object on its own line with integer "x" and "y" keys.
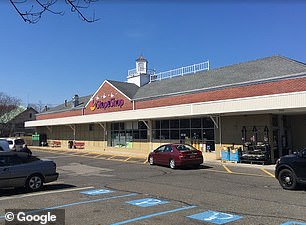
{"x": 70, "y": 144}
{"x": 43, "y": 140}
{"x": 36, "y": 139}
{"x": 225, "y": 154}
{"x": 235, "y": 155}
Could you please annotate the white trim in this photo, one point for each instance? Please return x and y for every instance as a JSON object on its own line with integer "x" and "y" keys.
{"x": 94, "y": 93}
{"x": 276, "y": 102}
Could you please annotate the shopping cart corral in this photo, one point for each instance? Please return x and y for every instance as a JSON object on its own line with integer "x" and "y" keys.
{"x": 259, "y": 153}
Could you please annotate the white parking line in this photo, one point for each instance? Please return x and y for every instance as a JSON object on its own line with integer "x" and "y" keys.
{"x": 62, "y": 156}
{"x": 44, "y": 193}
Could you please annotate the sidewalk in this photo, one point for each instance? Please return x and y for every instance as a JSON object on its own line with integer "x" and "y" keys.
{"x": 249, "y": 165}
{"x": 134, "y": 155}
{"x": 95, "y": 151}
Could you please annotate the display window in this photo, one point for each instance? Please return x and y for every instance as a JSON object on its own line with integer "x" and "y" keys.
{"x": 198, "y": 132}
{"x": 123, "y": 134}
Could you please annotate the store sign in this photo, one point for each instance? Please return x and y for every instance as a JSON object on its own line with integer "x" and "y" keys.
{"x": 100, "y": 104}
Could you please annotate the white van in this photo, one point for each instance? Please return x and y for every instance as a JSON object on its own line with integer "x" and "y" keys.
{"x": 15, "y": 144}
{"x": 4, "y": 145}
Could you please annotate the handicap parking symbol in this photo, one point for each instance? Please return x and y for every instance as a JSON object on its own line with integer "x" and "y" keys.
{"x": 293, "y": 223}
{"x": 97, "y": 192}
{"x": 146, "y": 202}
{"x": 215, "y": 217}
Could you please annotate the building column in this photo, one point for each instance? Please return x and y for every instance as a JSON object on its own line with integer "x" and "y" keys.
{"x": 150, "y": 134}
{"x": 281, "y": 134}
{"x": 103, "y": 126}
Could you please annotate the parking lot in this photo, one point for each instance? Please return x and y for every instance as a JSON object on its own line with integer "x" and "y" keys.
{"x": 106, "y": 189}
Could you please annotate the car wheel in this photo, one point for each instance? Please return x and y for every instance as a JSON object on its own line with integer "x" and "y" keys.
{"x": 151, "y": 160}
{"x": 172, "y": 164}
{"x": 197, "y": 166}
{"x": 287, "y": 179}
{"x": 34, "y": 182}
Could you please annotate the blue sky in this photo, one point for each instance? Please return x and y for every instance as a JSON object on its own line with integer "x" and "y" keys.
{"x": 60, "y": 56}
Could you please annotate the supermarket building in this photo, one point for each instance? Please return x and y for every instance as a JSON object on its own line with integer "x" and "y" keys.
{"x": 259, "y": 102}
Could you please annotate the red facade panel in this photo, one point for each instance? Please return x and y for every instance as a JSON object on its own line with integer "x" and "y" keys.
{"x": 108, "y": 99}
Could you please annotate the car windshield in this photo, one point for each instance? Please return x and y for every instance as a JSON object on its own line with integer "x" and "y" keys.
{"x": 10, "y": 142}
{"x": 185, "y": 148}
{"x": 19, "y": 141}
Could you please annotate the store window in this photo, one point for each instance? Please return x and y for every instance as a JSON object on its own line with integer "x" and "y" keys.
{"x": 165, "y": 134}
{"x": 185, "y": 123}
{"x": 207, "y": 123}
{"x": 196, "y": 123}
{"x": 208, "y": 134}
{"x": 175, "y": 134}
{"x": 164, "y": 124}
{"x": 124, "y": 134}
{"x": 174, "y": 124}
{"x": 198, "y": 132}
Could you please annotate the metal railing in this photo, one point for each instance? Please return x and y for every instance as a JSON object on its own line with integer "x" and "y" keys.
{"x": 133, "y": 72}
{"x": 180, "y": 71}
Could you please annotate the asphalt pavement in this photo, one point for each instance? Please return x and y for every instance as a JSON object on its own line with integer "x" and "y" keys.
{"x": 106, "y": 189}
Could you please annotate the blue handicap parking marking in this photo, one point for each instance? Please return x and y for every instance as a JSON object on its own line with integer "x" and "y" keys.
{"x": 97, "y": 192}
{"x": 146, "y": 202}
{"x": 215, "y": 217}
{"x": 293, "y": 223}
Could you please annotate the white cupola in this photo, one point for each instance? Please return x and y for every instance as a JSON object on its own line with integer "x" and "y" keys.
{"x": 140, "y": 75}
{"x": 141, "y": 65}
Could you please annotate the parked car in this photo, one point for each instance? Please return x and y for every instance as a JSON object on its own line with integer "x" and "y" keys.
{"x": 15, "y": 143}
{"x": 291, "y": 170}
{"x": 4, "y": 145}
{"x": 17, "y": 169}
{"x": 175, "y": 155}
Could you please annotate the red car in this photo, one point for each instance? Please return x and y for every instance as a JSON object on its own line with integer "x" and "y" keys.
{"x": 175, "y": 155}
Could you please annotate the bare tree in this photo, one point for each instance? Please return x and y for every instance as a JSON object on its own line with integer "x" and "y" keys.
{"x": 39, "y": 107}
{"x": 31, "y": 11}
{"x": 7, "y": 105}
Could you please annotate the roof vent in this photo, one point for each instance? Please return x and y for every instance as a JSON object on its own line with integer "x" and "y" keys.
{"x": 75, "y": 100}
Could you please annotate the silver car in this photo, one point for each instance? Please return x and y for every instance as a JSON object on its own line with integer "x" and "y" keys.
{"x": 18, "y": 169}
{"x": 16, "y": 144}
{"x": 4, "y": 145}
